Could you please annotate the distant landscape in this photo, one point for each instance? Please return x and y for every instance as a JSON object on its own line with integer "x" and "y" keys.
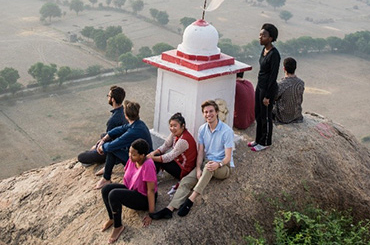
{"x": 57, "y": 123}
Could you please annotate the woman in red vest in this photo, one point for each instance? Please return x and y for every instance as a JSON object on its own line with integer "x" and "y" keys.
{"x": 181, "y": 159}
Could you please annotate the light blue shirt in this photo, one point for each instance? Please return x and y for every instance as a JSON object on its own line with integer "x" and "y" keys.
{"x": 217, "y": 141}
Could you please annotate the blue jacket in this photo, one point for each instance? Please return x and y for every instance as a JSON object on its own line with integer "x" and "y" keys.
{"x": 123, "y": 136}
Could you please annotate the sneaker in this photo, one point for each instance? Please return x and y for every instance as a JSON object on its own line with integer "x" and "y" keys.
{"x": 162, "y": 214}
{"x": 185, "y": 208}
{"x": 172, "y": 191}
{"x": 252, "y": 144}
{"x": 259, "y": 147}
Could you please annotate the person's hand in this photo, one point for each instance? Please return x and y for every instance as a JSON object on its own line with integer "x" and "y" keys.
{"x": 266, "y": 101}
{"x": 199, "y": 173}
{"x": 99, "y": 149}
{"x": 212, "y": 166}
{"x": 147, "y": 221}
{"x": 150, "y": 155}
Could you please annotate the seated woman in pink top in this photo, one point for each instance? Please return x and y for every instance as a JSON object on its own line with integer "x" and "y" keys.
{"x": 138, "y": 191}
{"x": 181, "y": 159}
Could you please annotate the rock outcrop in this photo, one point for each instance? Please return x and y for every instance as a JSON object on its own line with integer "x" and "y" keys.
{"x": 316, "y": 161}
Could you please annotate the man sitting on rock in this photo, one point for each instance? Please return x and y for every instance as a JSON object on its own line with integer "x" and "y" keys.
{"x": 116, "y": 143}
{"x": 214, "y": 159}
{"x": 115, "y": 96}
{"x": 288, "y": 106}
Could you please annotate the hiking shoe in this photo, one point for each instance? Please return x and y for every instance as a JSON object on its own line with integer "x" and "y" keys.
{"x": 185, "y": 208}
{"x": 259, "y": 147}
{"x": 162, "y": 214}
{"x": 252, "y": 144}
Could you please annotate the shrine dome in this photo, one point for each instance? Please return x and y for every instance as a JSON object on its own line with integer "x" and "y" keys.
{"x": 200, "y": 39}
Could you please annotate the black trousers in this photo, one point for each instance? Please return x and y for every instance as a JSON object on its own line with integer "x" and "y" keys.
{"x": 115, "y": 195}
{"x": 171, "y": 167}
{"x": 91, "y": 157}
{"x": 263, "y": 116}
{"x": 110, "y": 161}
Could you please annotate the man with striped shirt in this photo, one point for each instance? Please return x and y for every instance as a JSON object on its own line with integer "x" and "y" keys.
{"x": 288, "y": 105}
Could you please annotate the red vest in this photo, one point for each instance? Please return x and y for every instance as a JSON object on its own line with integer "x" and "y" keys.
{"x": 187, "y": 160}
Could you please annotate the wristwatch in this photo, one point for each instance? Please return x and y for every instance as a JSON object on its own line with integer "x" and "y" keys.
{"x": 220, "y": 163}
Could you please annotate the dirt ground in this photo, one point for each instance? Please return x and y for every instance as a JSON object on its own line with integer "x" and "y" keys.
{"x": 57, "y": 125}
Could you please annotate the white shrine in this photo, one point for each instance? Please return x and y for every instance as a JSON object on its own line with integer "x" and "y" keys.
{"x": 194, "y": 72}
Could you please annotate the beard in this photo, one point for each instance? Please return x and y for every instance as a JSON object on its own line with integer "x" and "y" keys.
{"x": 110, "y": 102}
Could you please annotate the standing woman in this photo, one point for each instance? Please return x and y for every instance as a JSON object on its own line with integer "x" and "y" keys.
{"x": 266, "y": 87}
{"x": 138, "y": 191}
{"x": 181, "y": 158}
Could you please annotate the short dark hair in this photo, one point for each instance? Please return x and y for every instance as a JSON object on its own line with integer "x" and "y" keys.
{"x": 179, "y": 118}
{"x": 290, "y": 65}
{"x": 118, "y": 94}
{"x": 240, "y": 74}
{"x": 132, "y": 110}
{"x": 272, "y": 30}
{"x": 141, "y": 146}
{"x": 210, "y": 103}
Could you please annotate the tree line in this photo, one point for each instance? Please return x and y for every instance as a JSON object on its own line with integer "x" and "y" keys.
{"x": 357, "y": 44}
{"x": 51, "y": 9}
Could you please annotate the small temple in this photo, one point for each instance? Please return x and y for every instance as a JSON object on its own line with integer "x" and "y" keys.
{"x": 194, "y": 72}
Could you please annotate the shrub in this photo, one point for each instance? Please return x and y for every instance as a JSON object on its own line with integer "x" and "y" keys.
{"x": 316, "y": 227}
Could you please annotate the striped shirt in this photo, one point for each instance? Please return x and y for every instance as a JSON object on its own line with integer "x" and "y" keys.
{"x": 288, "y": 106}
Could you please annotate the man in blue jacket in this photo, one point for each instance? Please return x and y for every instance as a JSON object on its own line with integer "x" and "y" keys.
{"x": 115, "y": 96}
{"x": 117, "y": 142}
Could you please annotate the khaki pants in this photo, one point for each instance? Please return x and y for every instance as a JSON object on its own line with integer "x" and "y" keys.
{"x": 190, "y": 180}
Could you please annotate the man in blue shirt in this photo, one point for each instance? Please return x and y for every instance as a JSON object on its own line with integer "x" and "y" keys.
{"x": 215, "y": 148}
{"x": 115, "y": 96}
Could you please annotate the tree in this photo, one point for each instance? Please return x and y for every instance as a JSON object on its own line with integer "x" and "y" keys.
{"x": 159, "y": 48}
{"x": 185, "y": 21}
{"x": 3, "y": 84}
{"x": 43, "y": 74}
{"x": 93, "y": 70}
{"x": 50, "y": 10}
{"x": 285, "y": 15}
{"x": 251, "y": 50}
{"x": 88, "y": 31}
{"x": 119, "y": 3}
{"x": 154, "y": 13}
{"x": 15, "y": 87}
{"x": 228, "y": 48}
{"x": 320, "y": 44}
{"x": 137, "y": 5}
{"x": 334, "y": 43}
{"x": 63, "y": 74}
{"x": 10, "y": 75}
{"x": 99, "y": 39}
{"x": 276, "y": 3}
{"x": 108, "y": 2}
{"x": 93, "y": 2}
{"x": 112, "y": 31}
{"x": 162, "y": 17}
{"x": 77, "y": 6}
{"x": 128, "y": 61}
{"x": 144, "y": 52}
{"x": 118, "y": 45}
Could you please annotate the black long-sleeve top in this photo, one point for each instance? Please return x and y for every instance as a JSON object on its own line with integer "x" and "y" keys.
{"x": 269, "y": 69}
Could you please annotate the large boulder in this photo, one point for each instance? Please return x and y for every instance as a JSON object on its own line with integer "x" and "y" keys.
{"x": 315, "y": 162}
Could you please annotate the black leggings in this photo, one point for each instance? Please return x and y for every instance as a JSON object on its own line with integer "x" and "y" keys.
{"x": 170, "y": 167}
{"x": 115, "y": 195}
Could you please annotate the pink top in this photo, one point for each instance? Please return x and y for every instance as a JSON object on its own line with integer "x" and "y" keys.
{"x": 136, "y": 178}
